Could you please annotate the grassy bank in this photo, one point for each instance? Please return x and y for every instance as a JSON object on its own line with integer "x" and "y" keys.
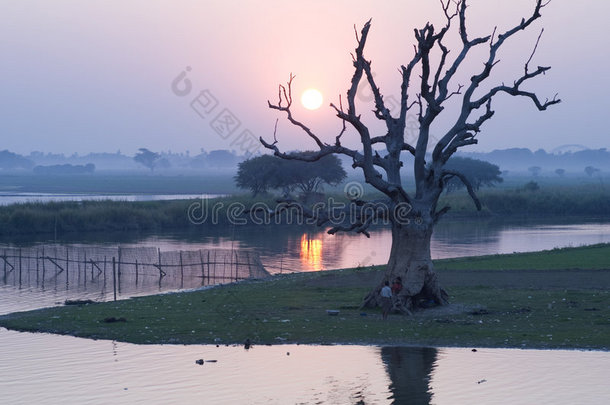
{"x": 591, "y": 199}
{"x": 91, "y": 216}
{"x": 521, "y": 311}
{"x": 585, "y": 257}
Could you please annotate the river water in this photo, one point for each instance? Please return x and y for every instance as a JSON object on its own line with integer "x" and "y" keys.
{"x": 39, "y": 368}
{"x": 42, "y": 368}
{"x": 11, "y": 197}
{"x": 301, "y": 248}
{"x": 283, "y": 249}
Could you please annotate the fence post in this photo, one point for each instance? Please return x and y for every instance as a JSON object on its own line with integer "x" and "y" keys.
{"x": 136, "y": 271}
{"x": 44, "y": 270}
{"x": 37, "y": 264}
{"x": 224, "y": 267}
{"x": 209, "y": 263}
{"x": 67, "y": 266}
{"x": 104, "y": 286}
{"x": 19, "y": 267}
{"x": 114, "y": 277}
{"x": 215, "y": 259}
{"x": 202, "y": 268}
{"x": 118, "y": 271}
{"x": 236, "y": 266}
{"x": 160, "y": 271}
{"x": 181, "y": 272}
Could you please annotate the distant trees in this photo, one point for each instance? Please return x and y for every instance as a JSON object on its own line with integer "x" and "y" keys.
{"x": 258, "y": 174}
{"x": 222, "y": 158}
{"x": 478, "y": 172}
{"x": 147, "y": 158}
{"x": 531, "y": 186}
{"x": 590, "y": 170}
{"x": 534, "y": 170}
{"x": 10, "y": 160}
{"x": 560, "y": 172}
{"x": 65, "y": 169}
{"x": 262, "y": 173}
{"x": 309, "y": 178}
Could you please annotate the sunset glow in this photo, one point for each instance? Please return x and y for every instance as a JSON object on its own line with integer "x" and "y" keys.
{"x": 311, "y": 99}
{"x": 311, "y": 253}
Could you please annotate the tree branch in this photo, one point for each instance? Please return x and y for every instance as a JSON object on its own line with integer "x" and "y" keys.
{"x": 447, "y": 174}
{"x": 357, "y": 216}
{"x": 288, "y": 98}
{"x": 440, "y": 213}
{"x": 447, "y": 145}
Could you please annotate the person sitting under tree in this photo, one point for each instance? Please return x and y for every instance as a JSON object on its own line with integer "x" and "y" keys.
{"x": 397, "y": 286}
{"x": 386, "y": 299}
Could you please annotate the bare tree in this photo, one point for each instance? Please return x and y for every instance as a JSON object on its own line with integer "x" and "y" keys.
{"x": 413, "y": 215}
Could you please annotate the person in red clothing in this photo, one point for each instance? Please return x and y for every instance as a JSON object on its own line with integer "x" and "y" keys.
{"x": 396, "y": 286}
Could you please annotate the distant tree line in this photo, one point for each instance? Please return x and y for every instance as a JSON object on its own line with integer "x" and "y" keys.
{"x": 65, "y": 169}
{"x": 521, "y": 159}
{"x": 584, "y": 163}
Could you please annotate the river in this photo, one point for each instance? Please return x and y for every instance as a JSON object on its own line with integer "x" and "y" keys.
{"x": 12, "y": 197}
{"x": 39, "y": 368}
{"x": 300, "y": 248}
{"x": 42, "y": 368}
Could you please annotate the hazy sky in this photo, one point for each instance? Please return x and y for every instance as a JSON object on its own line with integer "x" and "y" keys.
{"x": 80, "y": 76}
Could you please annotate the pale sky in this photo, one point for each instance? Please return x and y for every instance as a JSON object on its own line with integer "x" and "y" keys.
{"x": 81, "y": 76}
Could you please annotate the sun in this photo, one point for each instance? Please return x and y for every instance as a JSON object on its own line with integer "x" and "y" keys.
{"x": 311, "y": 99}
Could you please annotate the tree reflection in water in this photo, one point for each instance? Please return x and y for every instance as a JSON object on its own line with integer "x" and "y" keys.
{"x": 409, "y": 370}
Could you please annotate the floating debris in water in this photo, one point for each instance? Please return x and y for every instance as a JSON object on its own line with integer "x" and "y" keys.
{"x": 112, "y": 319}
{"x": 78, "y": 302}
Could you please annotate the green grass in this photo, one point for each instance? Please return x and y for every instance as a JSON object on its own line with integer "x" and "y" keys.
{"x": 88, "y": 216}
{"x": 283, "y": 311}
{"x": 292, "y": 309}
{"x": 585, "y": 257}
{"x": 587, "y": 199}
{"x": 92, "y": 216}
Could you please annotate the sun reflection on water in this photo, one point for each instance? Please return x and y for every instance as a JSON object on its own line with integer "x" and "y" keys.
{"x": 311, "y": 253}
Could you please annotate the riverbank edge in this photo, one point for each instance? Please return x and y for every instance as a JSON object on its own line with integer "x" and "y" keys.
{"x": 64, "y": 218}
{"x": 291, "y": 309}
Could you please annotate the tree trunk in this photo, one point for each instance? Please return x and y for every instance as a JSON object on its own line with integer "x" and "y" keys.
{"x": 410, "y": 260}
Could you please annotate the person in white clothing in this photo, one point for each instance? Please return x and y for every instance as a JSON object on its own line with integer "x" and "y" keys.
{"x": 386, "y": 299}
